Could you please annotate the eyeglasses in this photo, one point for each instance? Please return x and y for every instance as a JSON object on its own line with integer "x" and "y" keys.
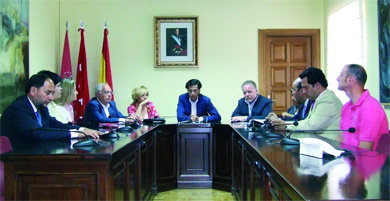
{"x": 293, "y": 90}
{"x": 107, "y": 92}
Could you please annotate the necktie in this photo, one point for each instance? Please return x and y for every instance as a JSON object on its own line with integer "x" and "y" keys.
{"x": 38, "y": 115}
{"x": 312, "y": 106}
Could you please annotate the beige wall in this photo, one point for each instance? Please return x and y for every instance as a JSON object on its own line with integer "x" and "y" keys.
{"x": 370, "y": 34}
{"x": 227, "y": 42}
{"x": 44, "y": 35}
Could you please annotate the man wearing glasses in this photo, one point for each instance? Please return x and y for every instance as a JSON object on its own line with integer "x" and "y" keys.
{"x": 303, "y": 104}
{"x": 102, "y": 109}
{"x": 326, "y": 109}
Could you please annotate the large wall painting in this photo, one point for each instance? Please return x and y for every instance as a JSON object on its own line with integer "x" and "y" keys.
{"x": 14, "y": 68}
{"x": 384, "y": 50}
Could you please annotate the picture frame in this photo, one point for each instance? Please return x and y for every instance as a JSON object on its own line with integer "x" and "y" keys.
{"x": 176, "y": 41}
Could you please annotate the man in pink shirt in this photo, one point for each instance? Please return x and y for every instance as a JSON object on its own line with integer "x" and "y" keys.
{"x": 362, "y": 112}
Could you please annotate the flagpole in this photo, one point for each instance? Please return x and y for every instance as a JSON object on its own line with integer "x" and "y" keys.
{"x": 82, "y": 78}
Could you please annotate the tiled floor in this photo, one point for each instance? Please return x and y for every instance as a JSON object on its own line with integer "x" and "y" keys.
{"x": 194, "y": 195}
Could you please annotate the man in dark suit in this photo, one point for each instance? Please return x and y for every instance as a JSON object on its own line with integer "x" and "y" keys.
{"x": 196, "y": 107}
{"x": 304, "y": 104}
{"x": 102, "y": 109}
{"x": 252, "y": 105}
{"x": 27, "y": 120}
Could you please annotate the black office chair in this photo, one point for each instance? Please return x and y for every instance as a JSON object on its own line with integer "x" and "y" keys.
{"x": 383, "y": 145}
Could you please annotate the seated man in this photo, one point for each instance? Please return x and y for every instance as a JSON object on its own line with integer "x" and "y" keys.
{"x": 102, "y": 109}
{"x": 363, "y": 112}
{"x": 302, "y": 102}
{"x": 252, "y": 105}
{"x": 27, "y": 120}
{"x": 325, "y": 110}
{"x": 196, "y": 107}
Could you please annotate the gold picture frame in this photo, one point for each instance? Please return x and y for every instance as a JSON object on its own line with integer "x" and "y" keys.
{"x": 176, "y": 41}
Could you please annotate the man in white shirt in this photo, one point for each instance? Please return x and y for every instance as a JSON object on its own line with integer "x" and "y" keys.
{"x": 102, "y": 109}
{"x": 196, "y": 107}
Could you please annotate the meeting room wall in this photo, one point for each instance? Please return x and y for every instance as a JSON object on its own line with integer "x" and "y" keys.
{"x": 227, "y": 33}
{"x": 370, "y": 41}
{"x": 228, "y": 45}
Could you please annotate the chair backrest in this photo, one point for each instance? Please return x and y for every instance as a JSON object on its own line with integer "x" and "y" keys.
{"x": 5, "y": 146}
{"x": 383, "y": 145}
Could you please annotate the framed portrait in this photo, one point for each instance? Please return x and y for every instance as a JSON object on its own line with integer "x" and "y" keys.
{"x": 176, "y": 41}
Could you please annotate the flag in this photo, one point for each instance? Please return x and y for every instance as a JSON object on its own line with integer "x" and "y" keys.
{"x": 82, "y": 80}
{"x": 66, "y": 67}
{"x": 105, "y": 65}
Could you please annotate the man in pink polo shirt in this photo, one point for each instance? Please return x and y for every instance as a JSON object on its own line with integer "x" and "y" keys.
{"x": 362, "y": 112}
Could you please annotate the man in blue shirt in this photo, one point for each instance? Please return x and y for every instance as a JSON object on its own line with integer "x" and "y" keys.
{"x": 196, "y": 107}
{"x": 252, "y": 105}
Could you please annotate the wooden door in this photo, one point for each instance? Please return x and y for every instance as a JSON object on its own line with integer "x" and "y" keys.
{"x": 283, "y": 55}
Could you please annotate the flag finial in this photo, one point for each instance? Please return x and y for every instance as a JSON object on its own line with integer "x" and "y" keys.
{"x": 67, "y": 25}
{"x": 81, "y": 24}
{"x": 105, "y": 24}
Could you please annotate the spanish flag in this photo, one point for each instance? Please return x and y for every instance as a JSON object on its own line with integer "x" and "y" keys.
{"x": 105, "y": 66}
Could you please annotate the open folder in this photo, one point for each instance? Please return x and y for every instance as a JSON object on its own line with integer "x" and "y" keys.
{"x": 316, "y": 166}
{"x": 316, "y": 148}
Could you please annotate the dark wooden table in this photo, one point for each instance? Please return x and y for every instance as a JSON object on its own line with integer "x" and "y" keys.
{"x": 139, "y": 164}
{"x": 363, "y": 175}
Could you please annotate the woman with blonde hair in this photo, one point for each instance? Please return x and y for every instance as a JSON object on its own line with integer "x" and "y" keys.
{"x": 142, "y": 108}
{"x": 64, "y": 112}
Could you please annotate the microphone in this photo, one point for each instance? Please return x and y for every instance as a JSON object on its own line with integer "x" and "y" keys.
{"x": 289, "y": 141}
{"x": 270, "y": 134}
{"x": 351, "y": 130}
{"x": 268, "y": 124}
{"x": 88, "y": 142}
{"x": 154, "y": 120}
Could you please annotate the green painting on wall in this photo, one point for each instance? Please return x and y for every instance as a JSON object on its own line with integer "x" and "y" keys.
{"x": 384, "y": 50}
{"x": 14, "y": 68}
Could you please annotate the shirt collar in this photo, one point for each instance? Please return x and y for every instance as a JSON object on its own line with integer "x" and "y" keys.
{"x": 322, "y": 93}
{"x": 32, "y": 104}
{"x": 104, "y": 106}
{"x": 194, "y": 102}
{"x": 254, "y": 101}
{"x": 364, "y": 95}
{"x": 307, "y": 102}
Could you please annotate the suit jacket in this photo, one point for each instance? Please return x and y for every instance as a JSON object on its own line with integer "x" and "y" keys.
{"x": 204, "y": 108}
{"x": 324, "y": 115}
{"x": 21, "y": 126}
{"x": 94, "y": 114}
{"x": 301, "y": 109}
{"x": 260, "y": 110}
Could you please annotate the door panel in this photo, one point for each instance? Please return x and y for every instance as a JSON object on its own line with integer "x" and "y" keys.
{"x": 279, "y": 76}
{"x": 283, "y": 55}
{"x": 278, "y": 51}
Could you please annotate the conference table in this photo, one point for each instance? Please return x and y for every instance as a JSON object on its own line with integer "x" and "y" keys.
{"x": 155, "y": 158}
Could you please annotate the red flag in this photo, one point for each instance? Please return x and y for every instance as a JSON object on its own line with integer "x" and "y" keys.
{"x": 66, "y": 67}
{"x": 82, "y": 80}
{"x": 105, "y": 65}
